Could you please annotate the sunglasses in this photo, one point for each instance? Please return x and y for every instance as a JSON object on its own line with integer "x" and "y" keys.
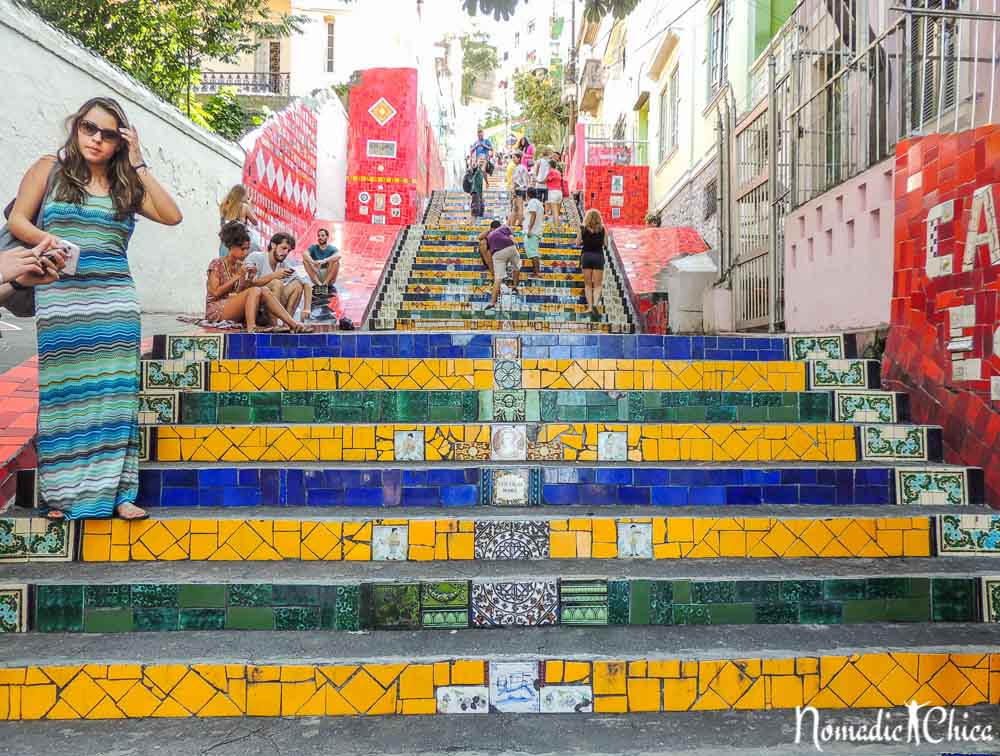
{"x": 89, "y": 128}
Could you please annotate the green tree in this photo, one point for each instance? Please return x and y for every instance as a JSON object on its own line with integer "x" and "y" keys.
{"x": 492, "y": 117}
{"x": 542, "y": 107}
{"x": 479, "y": 60}
{"x": 163, "y": 43}
{"x": 225, "y": 114}
{"x": 594, "y": 10}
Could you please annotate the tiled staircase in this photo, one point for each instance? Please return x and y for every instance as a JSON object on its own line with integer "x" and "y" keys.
{"x": 641, "y": 533}
{"x": 436, "y": 279}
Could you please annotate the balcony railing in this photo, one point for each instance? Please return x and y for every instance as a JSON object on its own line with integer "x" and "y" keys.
{"x": 245, "y": 82}
{"x": 592, "y": 80}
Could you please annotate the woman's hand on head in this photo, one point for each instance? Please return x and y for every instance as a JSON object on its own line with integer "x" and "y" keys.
{"x": 131, "y": 137}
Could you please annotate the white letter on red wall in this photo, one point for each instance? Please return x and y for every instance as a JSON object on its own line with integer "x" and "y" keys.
{"x": 982, "y": 204}
{"x": 938, "y": 266}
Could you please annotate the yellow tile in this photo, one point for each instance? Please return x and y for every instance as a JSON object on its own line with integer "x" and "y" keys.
{"x": 562, "y": 545}
{"x": 679, "y": 694}
{"x": 264, "y": 699}
{"x": 417, "y": 681}
{"x": 609, "y": 677}
{"x": 468, "y": 672}
{"x": 611, "y": 704}
{"x": 643, "y": 694}
{"x": 553, "y": 671}
{"x": 362, "y": 691}
{"x": 574, "y": 672}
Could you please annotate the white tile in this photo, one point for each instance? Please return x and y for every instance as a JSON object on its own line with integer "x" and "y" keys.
{"x": 612, "y": 446}
{"x": 509, "y": 443}
{"x": 463, "y": 699}
{"x": 566, "y": 699}
{"x": 635, "y": 540}
{"x": 408, "y": 445}
{"x": 390, "y": 543}
{"x": 514, "y": 687}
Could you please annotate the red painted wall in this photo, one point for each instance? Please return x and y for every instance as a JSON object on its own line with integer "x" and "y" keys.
{"x": 944, "y": 337}
{"x": 385, "y": 107}
{"x": 632, "y": 201}
{"x": 280, "y": 172}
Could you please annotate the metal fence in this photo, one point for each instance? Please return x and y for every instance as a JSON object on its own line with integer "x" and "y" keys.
{"x": 245, "y": 82}
{"x": 842, "y": 82}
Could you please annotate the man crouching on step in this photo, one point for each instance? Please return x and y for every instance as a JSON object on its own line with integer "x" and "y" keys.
{"x": 501, "y": 244}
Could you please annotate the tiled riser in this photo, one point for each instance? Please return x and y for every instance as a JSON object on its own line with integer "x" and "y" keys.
{"x": 478, "y": 686}
{"x": 464, "y": 539}
{"x": 585, "y": 442}
{"x": 460, "y": 604}
{"x": 481, "y": 346}
{"x": 504, "y": 406}
{"x": 551, "y": 486}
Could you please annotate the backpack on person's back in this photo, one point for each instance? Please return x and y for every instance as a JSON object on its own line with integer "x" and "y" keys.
{"x": 467, "y": 181}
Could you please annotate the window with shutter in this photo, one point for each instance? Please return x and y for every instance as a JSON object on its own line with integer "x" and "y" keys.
{"x": 330, "y": 29}
{"x": 933, "y": 52}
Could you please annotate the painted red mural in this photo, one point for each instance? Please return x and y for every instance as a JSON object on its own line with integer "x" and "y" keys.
{"x": 944, "y": 340}
{"x": 620, "y": 192}
{"x": 393, "y": 160}
{"x": 280, "y": 171}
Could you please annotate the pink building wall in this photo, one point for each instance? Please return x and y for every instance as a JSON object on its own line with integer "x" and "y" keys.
{"x": 839, "y": 254}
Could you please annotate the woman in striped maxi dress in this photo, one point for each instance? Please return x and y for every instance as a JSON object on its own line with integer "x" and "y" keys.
{"x": 88, "y": 322}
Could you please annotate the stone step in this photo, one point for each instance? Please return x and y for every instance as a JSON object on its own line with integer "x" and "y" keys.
{"x": 501, "y": 323}
{"x": 551, "y": 442}
{"x": 512, "y": 305}
{"x": 528, "y": 291}
{"x": 275, "y": 533}
{"x": 465, "y": 345}
{"x": 185, "y": 675}
{"x": 532, "y": 285}
{"x": 155, "y": 596}
{"x": 532, "y": 405}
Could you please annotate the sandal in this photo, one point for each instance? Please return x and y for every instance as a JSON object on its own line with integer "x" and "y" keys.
{"x": 303, "y": 328}
{"x": 54, "y": 515}
{"x": 143, "y": 516}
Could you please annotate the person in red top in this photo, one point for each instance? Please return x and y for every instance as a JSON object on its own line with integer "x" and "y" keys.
{"x": 554, "y": 183}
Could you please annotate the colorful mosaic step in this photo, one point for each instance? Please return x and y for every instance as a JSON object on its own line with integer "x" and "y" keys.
{"x": 485, "y": 604}
{"x": 268, "y": 539}
{"x": 558, "y": 486}
{"x": 232, "y": 346}
{"x": 457, "y": 680}
{"x": 518, "y": 405}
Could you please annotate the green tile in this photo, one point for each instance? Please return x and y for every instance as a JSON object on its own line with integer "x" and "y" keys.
{"x": 721, "y": 415}
{"x": 444, "y": 595}
{"x": 532, "y": 410}
{"x": 763, "y": 399}
{"x": 618, "y": 602}
{"x": 682, "y": 591}
{"x": 815, "y": 406}
{"x": 782, "y": 414}
{"x": 107, "y": 596}
{"x": 908, "y": 610}
{"x": 485, "y": 406}
{"x": 156, "y": 619}
{"x": 348, "y": 600}
{"x": 753, "y": 414}
{"x": 844, "y": 589}
{"x": 638, "y": 605}
{"x": 778, "y": 613}
{"x": 202, "y": 596}
{"x": 893, "y": 587}
{"x": 801, "y": 590}
{"x": 199, "y": 408}
{"x": 691, "y": 614}
{"x": 298, "y": 414}
{"x": 396, "y": 607}
{"x": 251, "y": 595}
{"x": 714, "y": 592}
{"x": 661, "y": 599}
{"x": 59, "y": 608}
{"x": 250, "y": 618}
{"x": 296, "y": 595}
{"x": 954, "y": 600}
{"x": 758, "y": 591}
{"x": 821, "y": 613}
{"x": 107, "y": 621}
{"x": 297, "y": 618}
{"x": 235, "y": 415}
{"x": 730, "y": 614}
{"x": 202, "y": 619}
{"x": 152, "y": 595}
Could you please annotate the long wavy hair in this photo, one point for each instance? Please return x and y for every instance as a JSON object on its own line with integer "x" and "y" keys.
{"x": 127, "y": 191}
{"x": 231, "y": 207}
{"x": 593, "y": 221}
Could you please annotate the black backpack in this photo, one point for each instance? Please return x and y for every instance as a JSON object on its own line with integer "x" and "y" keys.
{"x": 467, "y": 182}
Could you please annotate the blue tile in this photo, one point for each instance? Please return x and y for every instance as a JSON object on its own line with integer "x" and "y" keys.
{"x": 645, "y": 476}
{"x": 240, "y": 497}
{"x": 707, "y": 495}
{"x": 249, "y": 477}
{"x": 594, "y": 494}
{"x": 633, "y": 496}
{"x": 179, "y": 497}
{"x": 217, "y": 477}
{"x": 617, "y": 475}
{"x": 560, "y": 493}
{"x": 872, "y": 495}
{"x": 743, "y": 495}
{"x": 670, "y": 496}
{"x": 211, "y": 497}
{"x": 180, "y": 477}
{"x": 325, "y": 497}
{"x": 799, "y": 475}
{"x": 611, "y": 349}
{"x": 270, "y": 487}
{"x": 559, "y": 353}
{"x": 363, "y": 497}
{"x": 446, "y": 476}
{"x": 586, "y": 475}
{"x": 421, "y": 497}
{"x": 818, "y": 495}
{"x": 781, "y": 494}
{"x": 295, "y": 489}
{"x": 679, "y": 349}
{"x": 459, "y": 496}
{"x": 763, "y": 477}
{"x": 730, "y": 342}
{"x": 873, "y": 476}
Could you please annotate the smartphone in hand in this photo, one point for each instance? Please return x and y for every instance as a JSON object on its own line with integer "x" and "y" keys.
{"x": 72, "y": 258}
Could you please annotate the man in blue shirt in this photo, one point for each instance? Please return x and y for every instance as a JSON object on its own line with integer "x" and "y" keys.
{"x": 482, "y": 148}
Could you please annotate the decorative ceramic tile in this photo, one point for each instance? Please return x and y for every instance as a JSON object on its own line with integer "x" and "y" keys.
{"x": 201, "y": 348}
{"x": 444, "y": 605}
{"x": 13, "y": 608}
{"x": 511, "y": 487}
{"x": 991, "y": 598}
{"x": 393, "y": 606}
{"x": 463, "y": 699}
{"x": 968, "y": 534}
{"x": 506, "y": 348}
{"x": 583, "y": 602}
{"x": 515, "y": 603}
{"x": 36, "y": 539}
{"x": 514, "y": 687}
{"x": 816, "y": 347}
{"x": 902, "y": 442}
{"x": 389, "y": 542}
{"x": 865, "y": 406}
{"x": 408, "y": 446}
{"x": 166, "y": 375}
{"x": 635, "y": 540}
{"x": 506, "y": 374}
{"x": 936, "y": 486}
{"x": 471, "y": 451}
{"x": 842, "y": 374}
{"x": 158, "y": 408}
{"x": 508, "y": 406}
{"x": 508, "y": 443}
{"x": 566, "y": 699}
{"x": 511, "y": 540}
{"x": 612, "y": 446}
{"x": 147, "y": 436}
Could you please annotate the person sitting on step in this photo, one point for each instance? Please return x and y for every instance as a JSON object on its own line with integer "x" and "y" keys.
{"x": 274, "y": 272}
{"x": 230, "y": 293}
{"x": 322, "y": 263}
{"x": 484, "y": 250}
{"x": 504, "y": 249}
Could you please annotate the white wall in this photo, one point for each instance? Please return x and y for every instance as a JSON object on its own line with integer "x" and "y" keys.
{"x": 331, "y": 159}
{"x": 47, "y": 76}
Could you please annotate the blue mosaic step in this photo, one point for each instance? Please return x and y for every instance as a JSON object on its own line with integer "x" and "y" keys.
{"x": 469, "y": 346}
{"x": 558, "y": 486}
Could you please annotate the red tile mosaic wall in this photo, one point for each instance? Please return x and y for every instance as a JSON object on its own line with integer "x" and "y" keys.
{"x": 621, "y": 188}
{"x": 280, "y": 171}
{"x": 393, "y": 160}
{"x": 944, "y": 340}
